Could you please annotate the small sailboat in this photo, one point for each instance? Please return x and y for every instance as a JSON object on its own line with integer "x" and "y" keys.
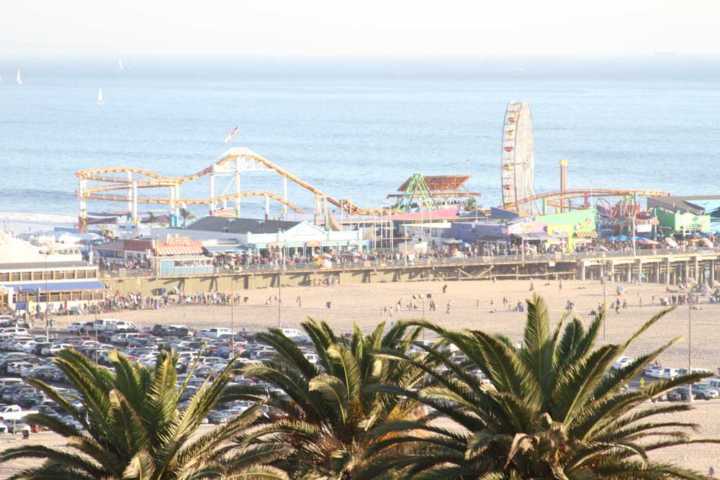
{"x": 100, "y": 99}
{"x": 18, "y": 77}
{"x": 121, "y": 65}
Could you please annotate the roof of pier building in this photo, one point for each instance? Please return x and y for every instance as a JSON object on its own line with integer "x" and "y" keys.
{"x": 240, "y": 225}
{"x": 438, "y": 183}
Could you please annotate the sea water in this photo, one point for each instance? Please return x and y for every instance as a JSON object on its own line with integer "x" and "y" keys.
{"x": 357, "y": 138}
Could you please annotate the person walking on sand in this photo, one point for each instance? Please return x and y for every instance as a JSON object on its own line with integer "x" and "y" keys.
{"x": 298, "y": 300}
{"x": 444, "y": 288}
{"x": 447, "y": 308}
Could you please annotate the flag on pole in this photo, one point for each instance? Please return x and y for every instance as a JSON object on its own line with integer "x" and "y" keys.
{"x": 230, "y": 136}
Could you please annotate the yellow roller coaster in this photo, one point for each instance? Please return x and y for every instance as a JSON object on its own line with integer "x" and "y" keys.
{"x": 97, "y": 184}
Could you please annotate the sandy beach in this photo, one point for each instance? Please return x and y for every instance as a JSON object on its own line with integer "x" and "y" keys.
{"x": 471, "y": 307}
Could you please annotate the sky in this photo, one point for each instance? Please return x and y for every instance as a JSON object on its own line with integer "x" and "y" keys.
{"x": 368, "y": 28}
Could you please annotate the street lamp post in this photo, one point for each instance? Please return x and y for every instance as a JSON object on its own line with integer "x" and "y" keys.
{"x": 604, "y": 284}
{"x": 232, "y": 326}
{"x": 47, "y": 299}
{"x": 279, "y": 280}
{"x": 690, "y": 395}
{"x": 634, "y": 227}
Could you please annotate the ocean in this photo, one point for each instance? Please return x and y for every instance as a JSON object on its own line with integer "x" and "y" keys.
{"x": 356, "y": 137}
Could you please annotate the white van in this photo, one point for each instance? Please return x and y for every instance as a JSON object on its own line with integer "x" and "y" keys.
{"x": 122, "y": 326}
{"x": 104, "y": 324}
{"x": 216, "y": 332}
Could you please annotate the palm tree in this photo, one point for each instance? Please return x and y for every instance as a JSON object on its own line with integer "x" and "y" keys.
{"x": 552, "y": 407}
{"x": 325, "y": 411}
{"x": 132, "y": 427}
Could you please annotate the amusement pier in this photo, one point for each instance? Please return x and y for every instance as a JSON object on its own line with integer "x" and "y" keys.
{"x": 140, "y": 231}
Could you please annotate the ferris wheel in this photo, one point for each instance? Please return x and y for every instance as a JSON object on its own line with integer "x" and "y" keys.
{"x": 517, "y": 160}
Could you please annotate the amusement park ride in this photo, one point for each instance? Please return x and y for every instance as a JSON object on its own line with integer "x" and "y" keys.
{"x": 518, "y": 172}
{"x": 128, "y": 185}
{"x": 420, "y": 192}
{"x": 103, "y": 185}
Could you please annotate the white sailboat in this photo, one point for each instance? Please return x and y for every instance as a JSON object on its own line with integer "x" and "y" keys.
{"x": 121, "y": 65}
{"x": 100, "y": 100}
{"x": 18, "y": 77}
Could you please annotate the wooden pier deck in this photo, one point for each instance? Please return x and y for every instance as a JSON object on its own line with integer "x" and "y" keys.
{"x": 668, "y": 267}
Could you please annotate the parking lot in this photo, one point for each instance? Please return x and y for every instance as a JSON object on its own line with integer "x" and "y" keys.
{"x": 206, "y": 352}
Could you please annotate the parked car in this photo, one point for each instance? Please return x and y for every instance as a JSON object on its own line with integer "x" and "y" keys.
{"x": 20, "y": 368}
{"x": 28, "y": 397}
{"x": 219, "y": 416}
{"x": 123, "y": 338}
{"x": 713, "y": 382}
{"x": 122, "y": 326}
{"x": 678, "y": 395}
{"x": 7, "y": 394}
{"x": 215, "y": 332}
{"x": 8, "y": 381}
{"x": 75, "y": 327}
{"x": 703, "y": 391}
{"x": 49, "y": 373}
{"x": 40, "y": 346}
{"x": 59, "y": 347}
{"x": 14, "y": 413}
{"x": 295, "y": 335}
{"x": 661, "y": 373}
{"x": 622, "y": 362}
{"x": 171, "y": 331}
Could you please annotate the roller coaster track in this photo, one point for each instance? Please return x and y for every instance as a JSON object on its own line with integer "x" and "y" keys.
{"x": 151, "y": 179}
{"x": 591, "y": 193}
{"x": 194, "y": 201}
{"x": 347, "y": 205}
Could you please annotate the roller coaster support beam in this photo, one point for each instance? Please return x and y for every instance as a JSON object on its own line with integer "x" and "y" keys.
{"x": 317, "y": 210}
{"x": 212, "y": 195}
{"x": 172, "y": 200}
{"x": 177, "y": 199}
{"x": 326, "y": 213}
{"x": 285, "y": 197}
{"x": 237, "y": 187}
{"x": 130, "y": 192}
{"x": 82, "y": 221}
{"x": 134, "y": 203}
{"x": 564, "y": 203}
